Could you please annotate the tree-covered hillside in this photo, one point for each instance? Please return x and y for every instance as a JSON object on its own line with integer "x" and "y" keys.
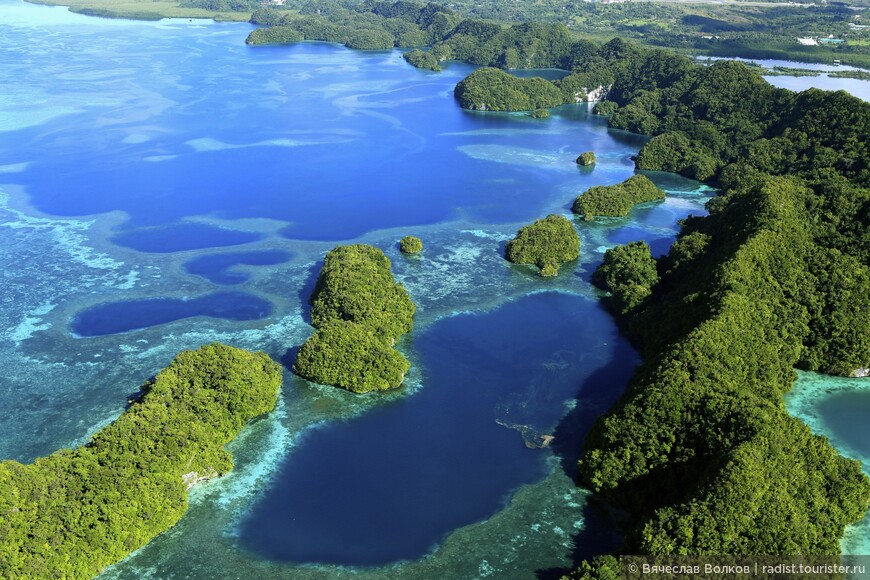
{"x": 359, "y": 311}
{"x": 71, "y": 514}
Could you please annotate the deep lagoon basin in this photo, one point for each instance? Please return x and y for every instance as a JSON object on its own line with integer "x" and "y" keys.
{"x": 117, "y": 317}
{"x": 224, "y": 268}
{"x": 402, "y": 476}
{"x": 130, "y": 177}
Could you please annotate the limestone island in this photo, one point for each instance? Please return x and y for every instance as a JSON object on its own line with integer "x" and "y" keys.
{"x": 71, "y": 514}
{"x": 492, "y": 89}
{"x": 411, "y": 245}
{"x": 421, "y": 59}
{"x": 616, "y": 200}
{"x": 360, "y": 311}
{"x": 586, "y": 159}
{"x": 548, "y": 243}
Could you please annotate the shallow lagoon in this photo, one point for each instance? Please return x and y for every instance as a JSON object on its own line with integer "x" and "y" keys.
{"x": 838, "y": 408}
{"x": 127, "y": 176}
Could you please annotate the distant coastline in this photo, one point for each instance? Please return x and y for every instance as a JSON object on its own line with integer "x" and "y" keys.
{"x": 136, "y": 11}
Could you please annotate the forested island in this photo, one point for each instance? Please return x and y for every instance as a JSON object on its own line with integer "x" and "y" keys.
{"x": 699, "y": 451}
{"x": 586, "y": 159}
{"x": 411, "y": 245}
{"x": 359, "y": 311}
{"x": 775, "y": 277}
{"x": 616, "y": 200}
{"x": 548, "y": 243}
{"x": 71, "y": 514}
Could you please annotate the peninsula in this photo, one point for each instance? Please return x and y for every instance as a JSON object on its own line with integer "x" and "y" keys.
{"x": 71, "y": 514}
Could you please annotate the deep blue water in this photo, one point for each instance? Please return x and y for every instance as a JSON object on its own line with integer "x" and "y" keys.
{"x": 221, "y": 268}
{"x": 144, "y": 161}
{"x": 116, "y": 317}
{"x": 182, "y": 237}
{"x": 402, "y": 476}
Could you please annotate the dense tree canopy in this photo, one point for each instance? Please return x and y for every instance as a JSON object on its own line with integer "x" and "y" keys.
{"x": 360, "y": 311}
{"x": 71, "y": 514}
{"x": 629, "y": 273}
{"x": 411, "y": 245}
{"x": 616, "y": 200}
{"x": 375, "y": 25}
{"x": 491, "y": 89}
{"x": 738, "y": 308}
{"x": 586, "y": 159}
{"x": 547, "y": 243}
{"x": 421, "y": 59}
{"x": 349, "y": 355}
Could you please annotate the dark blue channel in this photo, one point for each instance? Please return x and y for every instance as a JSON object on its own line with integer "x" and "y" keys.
{"x": 391, "y": 484}
{"x": 218, "y": 268}
{"x": 179, "y": 238}
{"x": 116, "y": 317}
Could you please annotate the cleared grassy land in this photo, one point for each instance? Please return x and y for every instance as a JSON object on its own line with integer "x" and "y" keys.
{"x": 142, "y": 9}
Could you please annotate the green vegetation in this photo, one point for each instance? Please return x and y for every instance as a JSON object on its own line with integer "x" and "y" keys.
{"x": 71, "y": 514}
{"x": 349, "y": 355}
{"x": 604, "y": 108}
{"x": 491, "y": 89}
{"x": 411, "y": 245}
{"x": 850, "y": 74}
{"x": 421, "y": 59}
{"x": 586, "y": 159}
{"x": 546, "y": 26}
{"x": 701, "y": 118}
{"x": 221, "y": 5}
{"x": 729, "y": 29}
{"x": 629, "y": 273}
{"x": 356, "y": 284}
{"x": 373, "y": 26}
{"x": 616, "y": 200}
{"x": 548, "y": 243}
{"x": 791, "y": 72}
{"x": 540, "y": 114}
{"x": 143, "y": 9}
{"x": 360, "y": 311}
{"x": 274, "y": 35}
{"x": 700, "y": 447}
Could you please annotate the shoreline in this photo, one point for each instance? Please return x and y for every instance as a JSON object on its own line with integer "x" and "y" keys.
{"x": 160, "y": 9}
{"x": 131, "y": 10}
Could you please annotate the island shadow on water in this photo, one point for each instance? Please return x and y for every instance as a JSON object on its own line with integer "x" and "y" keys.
{"x": 390, "y": 485}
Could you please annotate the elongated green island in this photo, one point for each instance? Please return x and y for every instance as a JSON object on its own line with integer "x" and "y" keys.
{"x": 360, "y": 311}
{"x": 71, "y": 514}
{"x": 616, "y": 200}
{"x": 548, "y": 243}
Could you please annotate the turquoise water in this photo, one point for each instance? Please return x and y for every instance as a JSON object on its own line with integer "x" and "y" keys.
{"x": 838, "y": 408}
{"x": 135, "y": 185}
